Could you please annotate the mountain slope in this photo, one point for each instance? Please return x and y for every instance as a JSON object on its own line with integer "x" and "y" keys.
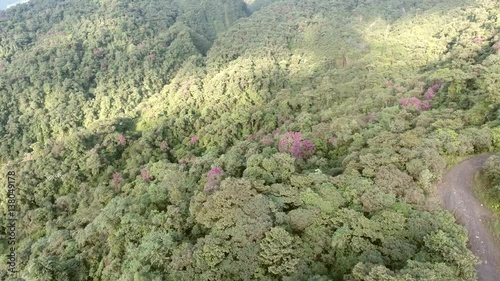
{"x": 209, "y": 140}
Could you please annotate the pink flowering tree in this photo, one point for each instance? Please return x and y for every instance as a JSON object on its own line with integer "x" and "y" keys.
{"x": 400, "y": 89}
{"x": 193, "y": 139}
{"x": 146, "y": 175}
{"x": 292, "y": 142}
{"x": 414, "y": 102}
{"x": 432, "y": 91}
{"x": 214, "y": 177}
{"x": 267, "y": 140}
{"x": 98, "y": 52}
{"x": 371, "y": 117}
{"x": 164, "y": 145}
{"x": 122, "y": 140}
{"x": 496, "y": 47}
{"x": 478, "y": 40}
{"x": 117, "y": 178}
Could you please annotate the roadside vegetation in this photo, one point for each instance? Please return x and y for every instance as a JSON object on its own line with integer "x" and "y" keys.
{"x": 488, "y": 190}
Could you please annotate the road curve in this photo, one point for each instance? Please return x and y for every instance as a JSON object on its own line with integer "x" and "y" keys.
{"x": 457, "y": 196}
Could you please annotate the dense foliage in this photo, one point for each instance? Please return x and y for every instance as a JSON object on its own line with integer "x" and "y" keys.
{"x": 491, "y": 173}
{"x": 224, "y": 140}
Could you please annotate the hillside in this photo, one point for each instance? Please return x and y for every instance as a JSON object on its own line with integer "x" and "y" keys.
{"x": 242, "y": 140}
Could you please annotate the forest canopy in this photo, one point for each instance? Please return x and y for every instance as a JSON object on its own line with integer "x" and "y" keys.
{"x": 243, "y": 140}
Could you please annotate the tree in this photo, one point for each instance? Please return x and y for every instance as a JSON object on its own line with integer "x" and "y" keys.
{"x": 278, "y": 252}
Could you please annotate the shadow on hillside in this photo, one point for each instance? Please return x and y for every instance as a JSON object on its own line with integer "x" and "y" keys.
{"x": 360, "y": 57}
{"x": 336, "y": 51}
{"x": 343, "y": 59}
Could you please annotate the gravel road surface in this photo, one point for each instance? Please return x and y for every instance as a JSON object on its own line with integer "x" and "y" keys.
{"x": 457, "y": 196}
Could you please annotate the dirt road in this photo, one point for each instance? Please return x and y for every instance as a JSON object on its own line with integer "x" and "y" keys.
{"x": 457, "y": 196}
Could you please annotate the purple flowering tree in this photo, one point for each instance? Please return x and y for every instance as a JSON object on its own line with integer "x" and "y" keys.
{"x": 214, "y": 177}
{"x": 291, "y": 142}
